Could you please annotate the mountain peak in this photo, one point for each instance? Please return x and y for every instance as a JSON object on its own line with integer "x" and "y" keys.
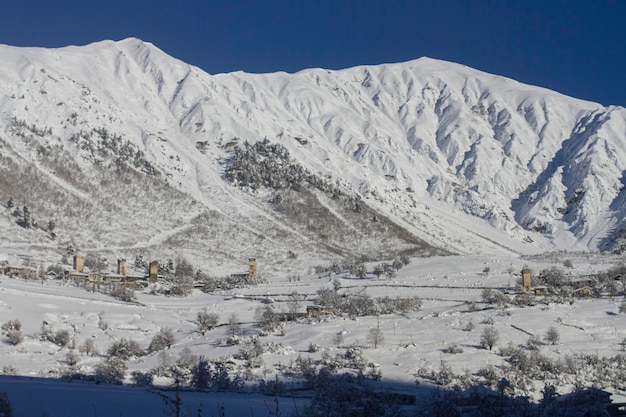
{"x": 461, "y": 159}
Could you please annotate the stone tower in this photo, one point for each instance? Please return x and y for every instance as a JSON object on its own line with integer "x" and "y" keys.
{"x": 252, "y": 266}
{"x": 153, "y": 271}
{"x": 79, "y": 263}
{"x": 526, "y": 279}
{"x": 121, "y": 266}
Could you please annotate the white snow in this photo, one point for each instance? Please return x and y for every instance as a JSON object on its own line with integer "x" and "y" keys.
{"x": 472, "y": 163}
{"x": 447, "y": 286}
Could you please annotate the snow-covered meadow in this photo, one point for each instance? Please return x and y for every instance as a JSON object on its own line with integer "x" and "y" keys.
{"x": 453, "y": 314}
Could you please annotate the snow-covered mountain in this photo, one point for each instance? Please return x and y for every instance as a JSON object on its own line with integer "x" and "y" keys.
{"x": 126, "y": 148}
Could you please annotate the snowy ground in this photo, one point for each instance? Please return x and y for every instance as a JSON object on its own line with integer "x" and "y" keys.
{"x": 447, "y": 286}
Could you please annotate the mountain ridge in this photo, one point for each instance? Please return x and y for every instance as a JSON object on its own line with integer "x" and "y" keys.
{"x": 425, "y": 144}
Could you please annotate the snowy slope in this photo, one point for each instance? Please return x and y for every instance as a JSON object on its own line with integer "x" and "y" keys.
{"x": 456, "y": 158}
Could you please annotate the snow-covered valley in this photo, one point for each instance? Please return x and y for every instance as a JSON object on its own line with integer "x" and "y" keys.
{"x": 453, "y": 313}
{"x": 116, "y": 150}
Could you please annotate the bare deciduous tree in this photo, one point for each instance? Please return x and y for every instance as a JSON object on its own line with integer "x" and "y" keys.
{"x": 552, "y": 336}
{"x": 88, "y": 347}
{"x": 489, "y": 337}
{"x": 234, "y": 328}
{"x": 206, "y": 321}
{"x": 294, "y": 304}
{"x": 375, "y": 336}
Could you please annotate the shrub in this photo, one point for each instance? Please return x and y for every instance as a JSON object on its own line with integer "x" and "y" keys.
{"x": 9, "y": 370}
{"x": 214, "y": 376}
{"x": 328, "y": 298}
{"x": 125, "y": 349}
{"x": 533, "y": 342}
{"x": 124, "y": 294}
{"x": 15, "y": 337}
{"x": 143, "y": 378}
{"x": 552, "y": 336}
{"x": 201, "y": 374}
{"x": 206, "y": 321}
{"x": 186, "y": 359}
{"x": 182, "y": 287}
{"x": 453, "y": 349}
{"x": 494, "y": 297}
{"x": 163, "y": 339}
{"x": 61, "y": 338}
{"x": 71, "y": 358}
{"x": 12, "y": 325}
{"x": 112, "y": 371}
{"x": 13, "y": 330}
{"x": 491, "y": 375}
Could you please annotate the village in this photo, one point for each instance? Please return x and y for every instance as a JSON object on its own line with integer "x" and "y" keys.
{"x": 123, "y": 277}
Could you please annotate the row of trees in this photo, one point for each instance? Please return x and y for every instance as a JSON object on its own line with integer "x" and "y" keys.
{"x": 362, "y": 304}
{"x": 357, "y": 268}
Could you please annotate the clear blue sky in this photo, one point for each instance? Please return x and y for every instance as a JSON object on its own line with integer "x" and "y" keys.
{"x": 575, "y": 47}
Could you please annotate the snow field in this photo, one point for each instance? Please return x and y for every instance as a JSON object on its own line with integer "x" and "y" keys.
{"x": 448, "y": 287}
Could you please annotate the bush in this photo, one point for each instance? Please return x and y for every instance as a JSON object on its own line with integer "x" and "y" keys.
{"x": 201, "y": 374}
{"x": 12, "y": 325}
{"x": 453, "y": 349}
{"x": 214, "y": 376}
{"x": 533, "y": 343}
{"x": 552, "y": 336}
{"x": 206, "y": 321}
{"x": 494, "y": 297}
{"x": 13, "y": 330}
{"x": 143, "y": 378}
{"x": 328, "y": 298}
{"x": 186, "y": 359}
{"x": 61, "y": 338}
{"x": 15, "y": 337}
{"x": 182, "y": 287}
{"x": 71, "y": 358}
{"x": 125, "y": 349}
{"x": 112, "y": 371}
{"x": 124, "y": 294}
{"x": 163, "y": 339}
